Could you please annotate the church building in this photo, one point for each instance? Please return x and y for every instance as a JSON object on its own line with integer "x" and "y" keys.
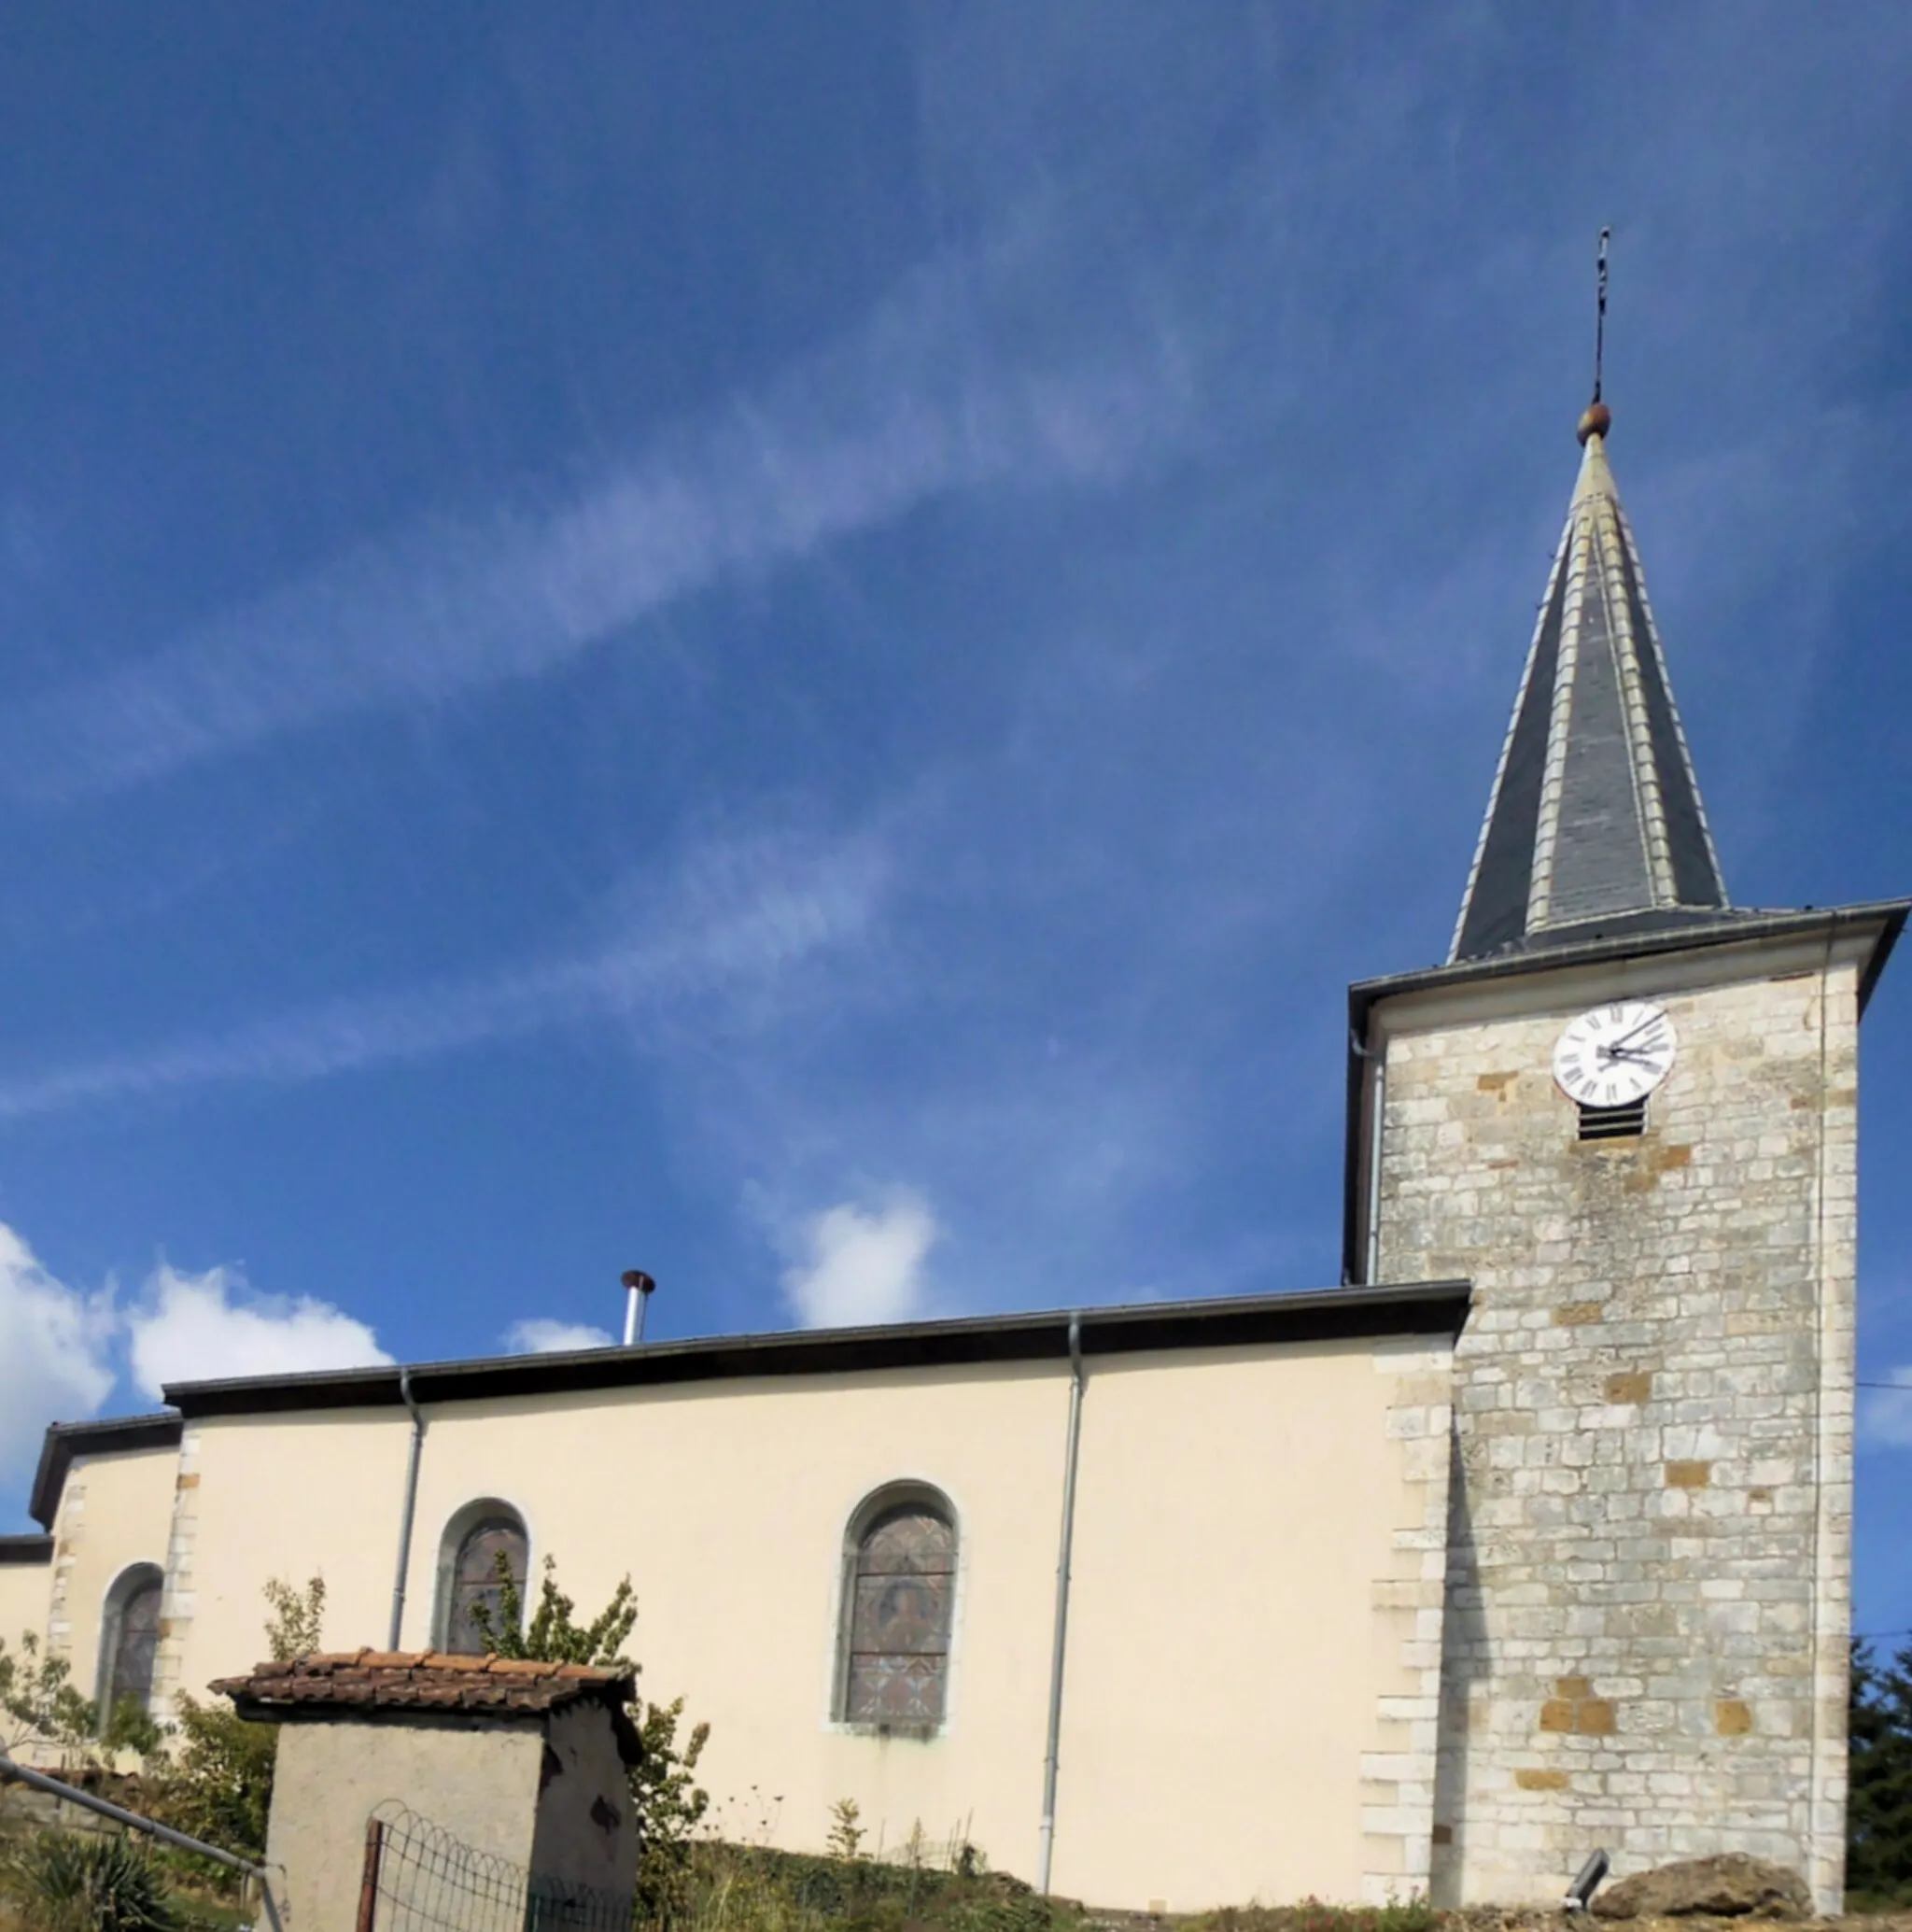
{"x": 1532, "y": 1536}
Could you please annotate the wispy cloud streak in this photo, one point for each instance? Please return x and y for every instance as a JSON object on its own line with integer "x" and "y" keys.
{"x": 943, "y": 390}
{"x": 739, "y": 918}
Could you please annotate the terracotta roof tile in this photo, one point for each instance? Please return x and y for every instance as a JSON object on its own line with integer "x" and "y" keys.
{"x": 393, "y": 1680}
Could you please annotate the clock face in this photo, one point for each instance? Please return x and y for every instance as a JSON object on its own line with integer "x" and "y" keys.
{"x": 1614, "y": 1056}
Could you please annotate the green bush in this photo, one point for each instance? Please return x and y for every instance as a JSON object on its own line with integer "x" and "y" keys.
{"x": 218, "y": 1783}
{"x": 82, "y": 1881}
{"x": 1878, "y": 1812}
{"x": 214, "y": 1779}
{"x": 668, "y": 1802}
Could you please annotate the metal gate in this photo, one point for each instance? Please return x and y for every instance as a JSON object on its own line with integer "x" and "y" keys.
{"x": 418, "y": 1878}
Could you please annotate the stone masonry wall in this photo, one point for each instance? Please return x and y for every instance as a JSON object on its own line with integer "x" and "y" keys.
{"x": 179, "y": 1601}
{"x": 1649, "y": 1568}
{"x": 1398, "y": 1771}
{"x": 69, "y": 1532}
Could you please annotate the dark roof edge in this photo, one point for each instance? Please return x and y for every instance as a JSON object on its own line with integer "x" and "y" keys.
{"x": 1434, "y": 1309}
{"x": 25, "y": 1550}
{"x": 1888, "y": 915}
{"x": 115, "y": 1435}
{"x": 265, "y": 1710}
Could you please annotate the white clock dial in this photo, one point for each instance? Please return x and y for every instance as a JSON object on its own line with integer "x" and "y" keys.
{"x": 1615, "y": 1055}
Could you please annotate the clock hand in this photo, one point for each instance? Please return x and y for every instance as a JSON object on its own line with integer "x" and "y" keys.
{"x": 1652, "y": 1020}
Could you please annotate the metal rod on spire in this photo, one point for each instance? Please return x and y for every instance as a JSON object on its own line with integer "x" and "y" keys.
{"x": 1597, "y": 419}
{"x": 1600, "y": 315}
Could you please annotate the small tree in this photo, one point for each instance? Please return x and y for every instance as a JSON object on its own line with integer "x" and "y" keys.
{"x": 846, "y": 1834}
{"x": 220, "y": 1784}
{"x": 39, "y": 1706}
{"x": 38, "y": 1702}
{"x": 666, "y": 1798}
{"x": 554, "y": 1634}
{"x": 1878, "y": 1809}
{"x": 293, "y": 1628}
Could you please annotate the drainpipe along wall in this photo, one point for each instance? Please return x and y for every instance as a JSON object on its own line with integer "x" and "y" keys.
{"x": 408, "y": 1510}
{"x": 1376, "y": 1057}
{"x": 1046, "y": 1842}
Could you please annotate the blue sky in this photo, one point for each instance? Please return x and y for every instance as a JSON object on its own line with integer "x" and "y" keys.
{"x": 802, "y": 647}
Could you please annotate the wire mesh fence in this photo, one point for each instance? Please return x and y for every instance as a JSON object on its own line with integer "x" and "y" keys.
{"x": 418, "y": 1878}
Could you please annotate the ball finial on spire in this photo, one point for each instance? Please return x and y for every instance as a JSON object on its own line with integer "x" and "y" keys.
{"x": 1598, "y": 418}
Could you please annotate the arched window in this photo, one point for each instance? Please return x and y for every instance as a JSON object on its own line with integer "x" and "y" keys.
{"x": 467, "y": 1569}
{"x": 899, "y": 1590}
{"x": 129, "y": 1639}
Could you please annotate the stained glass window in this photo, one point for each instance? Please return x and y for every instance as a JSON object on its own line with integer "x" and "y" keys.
{"x": 134, "y": 1623}
{"x": 902, "y": 1582}
{"x": 475, "y": 1578}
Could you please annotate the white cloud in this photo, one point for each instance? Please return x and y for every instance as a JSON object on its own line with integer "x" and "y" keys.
{"x": 737, "y": 917}
{"x": 541, "y": 1335}
{"x": 52, "y": 1354}
{"x": 863, "y": 1265}
{"x": 1885, "y": 1414}
{"x": 202, "y": 1328}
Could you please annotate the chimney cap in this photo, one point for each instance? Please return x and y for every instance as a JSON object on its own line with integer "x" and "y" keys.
{"x": 636, "y": 1278}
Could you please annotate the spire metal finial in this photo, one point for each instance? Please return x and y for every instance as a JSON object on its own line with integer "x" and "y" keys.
{"x": 1598, "y": 418}
{"x": 1600, "y": 313}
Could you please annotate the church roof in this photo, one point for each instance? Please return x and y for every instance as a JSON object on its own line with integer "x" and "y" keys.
{"x": 1435, "y": 1308}
{"x": 1595, "y": 818}
{"x": 114, "y": 1437}
{"x": 1428, "y": 1308}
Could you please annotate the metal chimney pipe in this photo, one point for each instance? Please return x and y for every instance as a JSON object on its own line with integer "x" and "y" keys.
{"x": 638, "y": 1289}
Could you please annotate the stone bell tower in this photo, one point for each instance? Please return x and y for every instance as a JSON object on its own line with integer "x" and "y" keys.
{"x": 1627, "y": 1110}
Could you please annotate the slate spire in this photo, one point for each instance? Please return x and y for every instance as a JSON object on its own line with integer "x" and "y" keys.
{"x": 1594, "y": 824}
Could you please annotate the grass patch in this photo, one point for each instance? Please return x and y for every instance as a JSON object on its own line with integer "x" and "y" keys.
{"x": 1413, "y": 1914}
{"x": 752, "y": 1888}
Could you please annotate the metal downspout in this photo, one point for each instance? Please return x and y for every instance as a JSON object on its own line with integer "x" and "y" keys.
{"x": 1377, "y": 1102}
{"x": 411, "y": 1507}
{"x": 1046, "y": 1842}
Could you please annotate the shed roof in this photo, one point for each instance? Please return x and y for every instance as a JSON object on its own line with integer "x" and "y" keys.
{"x": 376, "y": 1682}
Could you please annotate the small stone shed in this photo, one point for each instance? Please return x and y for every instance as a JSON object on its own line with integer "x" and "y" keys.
{"x": 519, "y": 1759}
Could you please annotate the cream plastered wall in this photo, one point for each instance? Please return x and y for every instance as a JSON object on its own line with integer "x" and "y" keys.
{"x": 1255, "y": 1570}
{"x": 480, "y": 1777}
{"x": 260, "y": 1497}
{"x": 24, "y": 1588}
{"x": 113, "y": 1513}
{"x": 1257, "y": 1531}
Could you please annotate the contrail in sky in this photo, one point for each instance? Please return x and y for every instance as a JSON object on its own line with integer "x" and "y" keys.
{"x": 935, "y": 393}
